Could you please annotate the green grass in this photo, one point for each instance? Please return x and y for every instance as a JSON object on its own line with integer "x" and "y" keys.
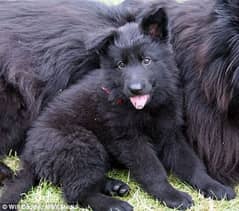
{"x": 45, "y": 195}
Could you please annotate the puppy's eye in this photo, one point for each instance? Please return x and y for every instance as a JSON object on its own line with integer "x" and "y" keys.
{"x": 146, "y": 60}
{"x": 121, "y": 65}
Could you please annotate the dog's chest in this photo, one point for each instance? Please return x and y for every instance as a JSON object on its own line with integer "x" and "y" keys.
{"x": 129, "y": 119}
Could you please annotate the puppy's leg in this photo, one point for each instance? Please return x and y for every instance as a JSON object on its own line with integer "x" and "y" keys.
{"x": 178, "y": 157}
{"x": 137, "y": 155}
{"x": 84, "y": 180}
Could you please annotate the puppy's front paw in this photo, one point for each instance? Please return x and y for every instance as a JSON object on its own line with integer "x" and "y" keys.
{"x": 218, "y": 191}
{"x": 177, "y": 199}
{"x": 118, "y": 205}
{"x": 115, "y": 187}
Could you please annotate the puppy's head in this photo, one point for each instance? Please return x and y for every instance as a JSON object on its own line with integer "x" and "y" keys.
{"x": 137, "y": 60}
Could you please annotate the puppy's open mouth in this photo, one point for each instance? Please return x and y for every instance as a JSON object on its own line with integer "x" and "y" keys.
{"x": 140, "y": 101}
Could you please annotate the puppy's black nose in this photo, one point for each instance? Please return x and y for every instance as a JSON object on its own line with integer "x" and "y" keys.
{"x": 136, "y": 88}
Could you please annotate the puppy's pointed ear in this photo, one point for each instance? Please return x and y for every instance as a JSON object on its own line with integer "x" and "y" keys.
{"x": 99, "y": 41}
{"x": 156, "y": 24}
{"x": 222, "y": 2}
{"x": 232, "y": 4}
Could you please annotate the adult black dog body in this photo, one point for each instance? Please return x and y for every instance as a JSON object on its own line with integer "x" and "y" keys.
{"x": 206, "y": 42}
{"x": 129, "y": 110}
{"x": 41, "y": 53}
{"x": 205, "y": 38}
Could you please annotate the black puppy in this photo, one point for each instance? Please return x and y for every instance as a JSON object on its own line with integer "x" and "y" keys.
{"x": 130, "y": 111}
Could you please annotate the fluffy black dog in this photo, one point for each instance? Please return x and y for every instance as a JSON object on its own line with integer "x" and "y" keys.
{"x": 206, "y": 42}
{"x": 41, "y": 53}
{"x": 205, "y": 37}
{"x": 129, "y": 110}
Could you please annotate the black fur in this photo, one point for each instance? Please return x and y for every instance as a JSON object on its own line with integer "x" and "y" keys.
{"x": 83, "y": 128}
{"x": 207, "y": 53}
{"x": 42, "y": 52}
{"x": 205, "y": 37}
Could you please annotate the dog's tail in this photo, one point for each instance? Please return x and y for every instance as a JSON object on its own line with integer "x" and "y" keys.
{"x": 15, "y": 188}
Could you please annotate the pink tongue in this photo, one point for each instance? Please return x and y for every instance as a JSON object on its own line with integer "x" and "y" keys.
{"x": 139, "y": 101}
